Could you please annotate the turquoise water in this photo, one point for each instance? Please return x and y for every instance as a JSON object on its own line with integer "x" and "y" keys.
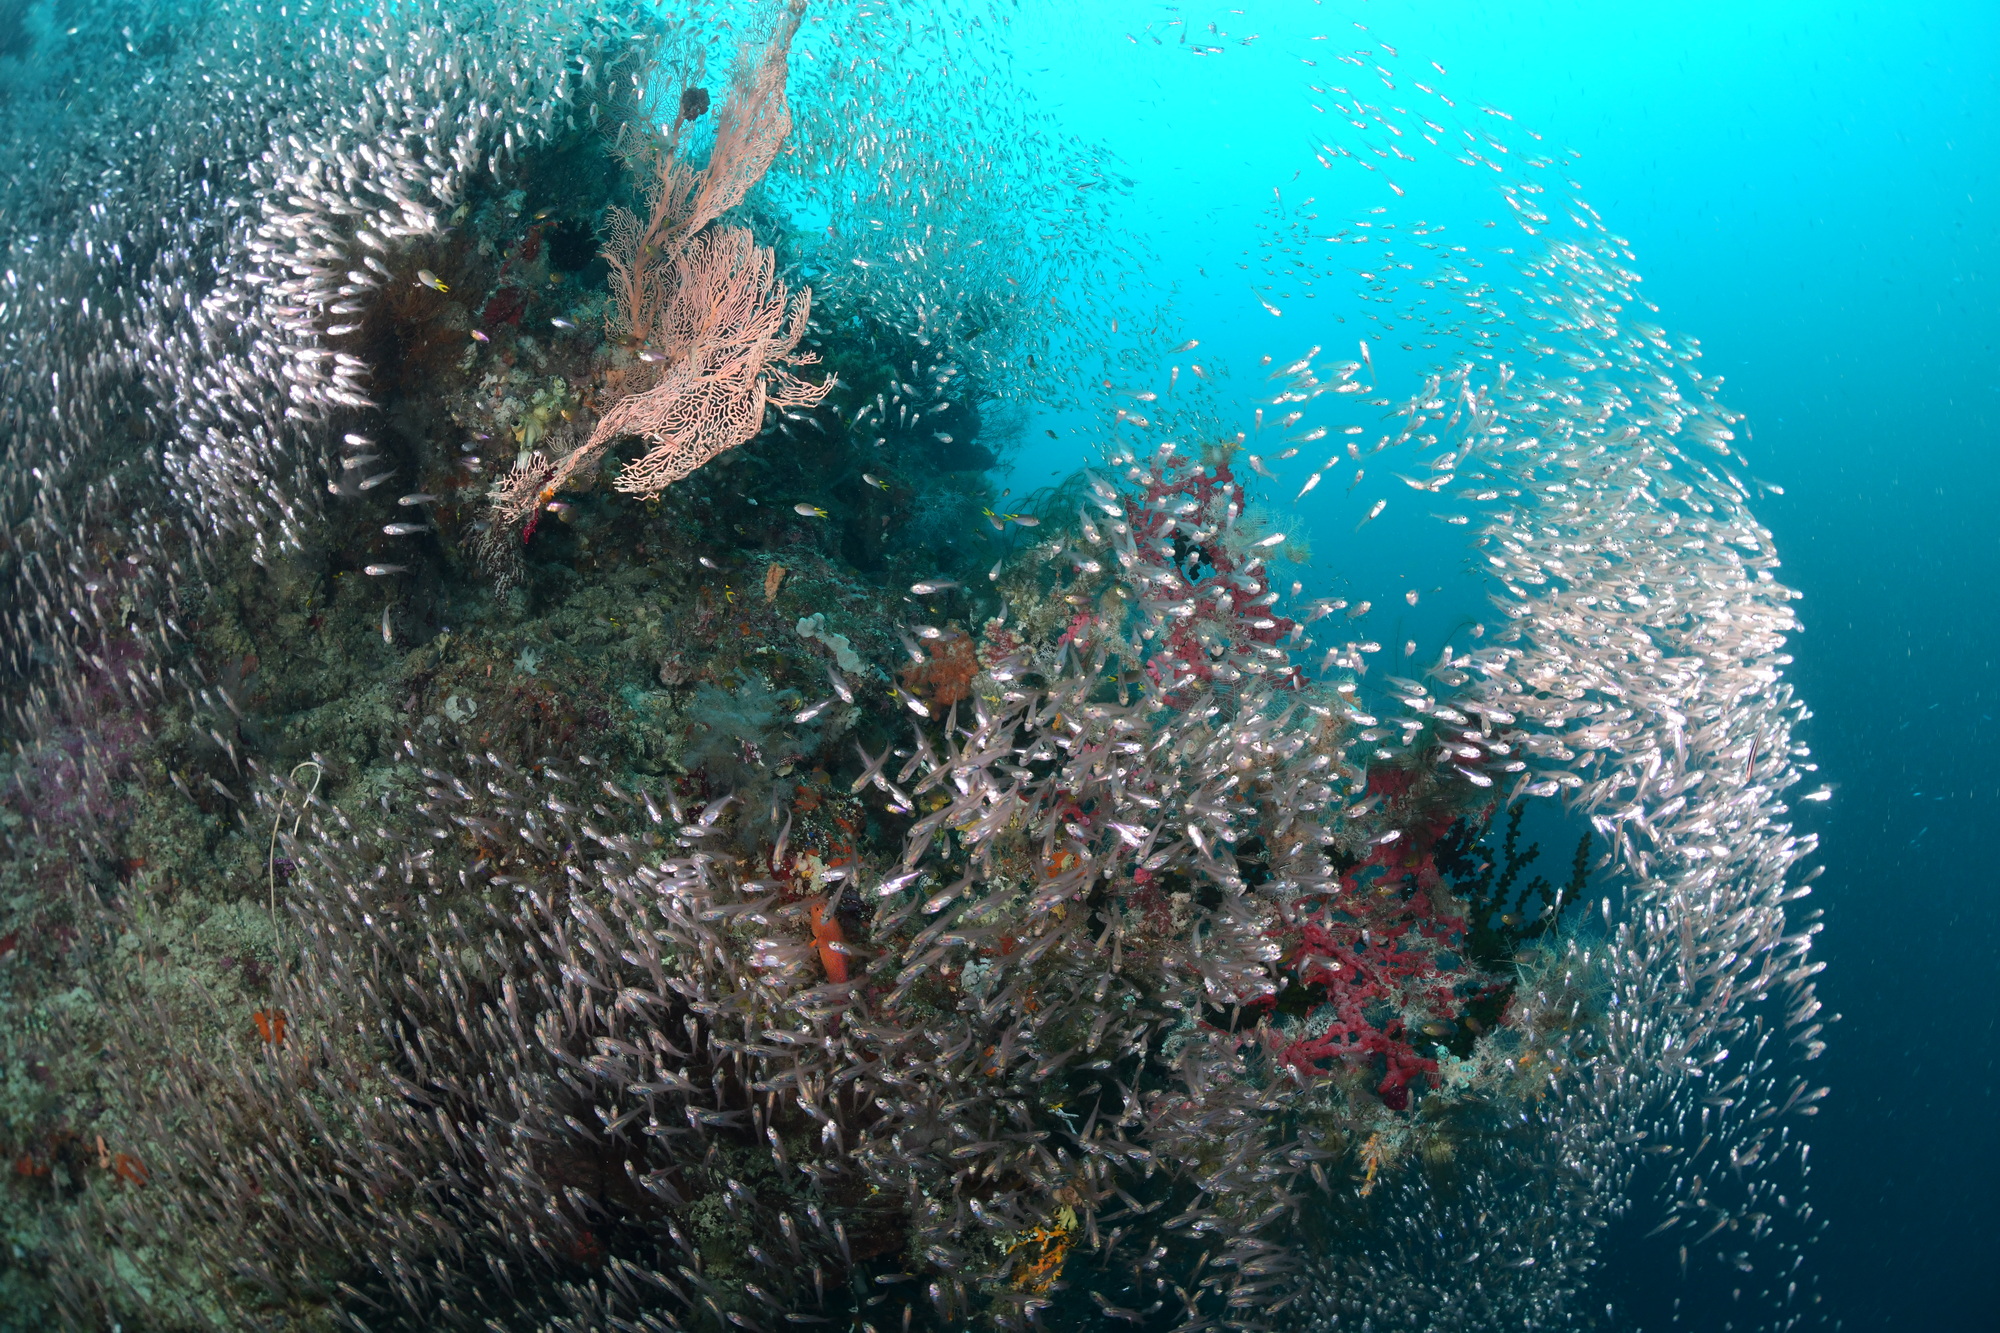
{"x": 318, "y": 581}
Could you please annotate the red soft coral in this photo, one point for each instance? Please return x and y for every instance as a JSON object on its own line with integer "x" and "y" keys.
{"x": 1232, "y": 599}
{"x": 1378, "y": 952}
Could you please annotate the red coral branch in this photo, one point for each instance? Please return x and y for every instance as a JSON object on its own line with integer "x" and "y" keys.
{"x": 1179, "y": 520}
{"x": 1373, "y": 959}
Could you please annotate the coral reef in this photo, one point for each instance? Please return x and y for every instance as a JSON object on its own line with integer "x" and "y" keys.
{"x": 785, "y": 884}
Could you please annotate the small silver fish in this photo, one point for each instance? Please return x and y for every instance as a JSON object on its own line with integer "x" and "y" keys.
{"x": 376, "y": 480}
{"x": 404, "y": 529}
{"x": 929, "y": 586}
{"x": 808, "y": 714}
{"x": 378, "y": 571}
{"x": 478, "y": 336}
{"x": 418, "y": 498}
{"x": 562, "y": 323}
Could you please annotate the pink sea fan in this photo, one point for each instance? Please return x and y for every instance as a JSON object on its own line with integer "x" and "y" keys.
{"x": 702, "y": 297}
{"x": 730, "y": 332}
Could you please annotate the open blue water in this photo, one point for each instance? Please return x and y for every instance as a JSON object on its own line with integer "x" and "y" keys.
{"x": 1812, "y": 190}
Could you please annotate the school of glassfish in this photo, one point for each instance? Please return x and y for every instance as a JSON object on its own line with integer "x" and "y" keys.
{"x": 782, "y": 899}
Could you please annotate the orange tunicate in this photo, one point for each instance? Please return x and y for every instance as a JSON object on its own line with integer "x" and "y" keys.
{"x": 826, "y": 934}
{"x": 270, "y": 1025}
{"x": 126, "y": 1167}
